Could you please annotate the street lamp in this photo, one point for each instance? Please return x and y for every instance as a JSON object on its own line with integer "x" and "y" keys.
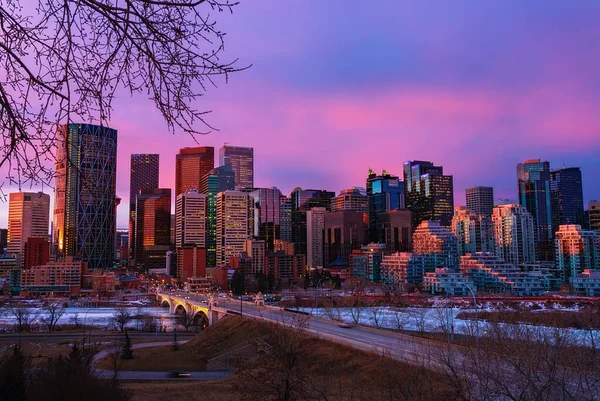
{"x": 317, "y": 287}
{"x": 475, "y": 306}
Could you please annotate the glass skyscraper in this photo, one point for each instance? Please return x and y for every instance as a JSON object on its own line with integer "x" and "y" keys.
{"x": 267, "y": 215}
{"x": 480, "y": 200}
{"x": 302, "y": 201}
{"x": 191, "y": 165}
{"x": 217, "y": 180}
{"x": 241, "y": 160}
{"x": 534, "y": 194}
{"x": 566, "y": 197}
{"x": 143, "y": 174}
{"x": 429, "y": 193}
{"x": 385, "y": 192}
{"x": 84, "y": 194}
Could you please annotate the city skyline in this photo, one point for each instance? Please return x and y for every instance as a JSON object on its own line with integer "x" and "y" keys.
{"x": 505, "y": 95}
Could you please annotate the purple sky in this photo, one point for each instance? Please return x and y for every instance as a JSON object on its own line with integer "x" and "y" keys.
{"x": 338, "y": 87}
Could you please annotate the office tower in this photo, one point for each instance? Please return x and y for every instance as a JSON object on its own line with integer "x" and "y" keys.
{"x": 152, "y": 227}
{"x": 37, "y": 252}
{"x": 235, "y": 222}
{"x": 534, "y": 194}
{"x": 351, "y": 200}
{"x": 315, "y": 227}
{"x": 576, "y": 250}
{"x": 566, "y": 197}
{"x": 3, "y": 239}
{"x": 385, "y": 192}
{"x": 191, "y": 210}
{"x": 217, "y": 180}
{"x": 191, "y": 165}
{"x": 428, "y": 192}
{"x": 402, "y": 268}
{"x": 480, "y": 200}
{"x": 345, "y": 231}
{"x": 437, "y": 245}
{"x": 396, "y": 226}
{"x": 366, "y": 262}
{"x": 255, "y": 250}
{"x": 28, "y": 217}
{"x": 474, "y": 232}
{"x": 514, "y": 234}
{"x": 241, "y": 160}
{"x": 190, "y": 219}
{"x": 285, "y": 219}
{"x": 594, "y": 215}
{"x": 267, "y": 215}
{"x": 84, "y": 194}
{"x": 303, "y": 200}
{"x": 143, "y": 174}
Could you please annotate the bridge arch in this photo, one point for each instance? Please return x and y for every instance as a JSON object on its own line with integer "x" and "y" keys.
{"x": 201, "y": 319}
{"x": 165, "y": 303}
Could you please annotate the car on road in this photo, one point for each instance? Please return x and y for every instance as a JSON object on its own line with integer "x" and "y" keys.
{"x": 176, "y": 374}
{"x": 345, "y": 325}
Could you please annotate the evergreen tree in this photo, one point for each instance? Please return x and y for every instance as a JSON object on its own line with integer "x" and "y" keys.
{"x": 127, "y": 349}
{"x": 14, "y": 370}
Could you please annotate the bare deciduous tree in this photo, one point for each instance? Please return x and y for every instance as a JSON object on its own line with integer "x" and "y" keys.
{"x": 65, "y": 61}
{"x": 121, "y": 318}
{"x": 24, "y": 317}
{"x": 419, "y": 316}
{"x": 74, "y": 320}
{"x": 51, "y": 315}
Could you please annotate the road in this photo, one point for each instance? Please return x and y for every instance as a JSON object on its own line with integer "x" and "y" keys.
{"x": 395, "y": 345}
{"x": 205, "y": 375}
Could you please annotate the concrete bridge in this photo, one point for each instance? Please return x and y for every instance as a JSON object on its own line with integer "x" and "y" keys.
{"x": 204, "y": 310}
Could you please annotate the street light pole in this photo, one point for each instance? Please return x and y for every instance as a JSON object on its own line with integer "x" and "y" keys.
{"x": 476, "y": 316}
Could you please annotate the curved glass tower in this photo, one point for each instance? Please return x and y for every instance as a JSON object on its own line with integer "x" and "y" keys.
{"x": 84, "y": 194}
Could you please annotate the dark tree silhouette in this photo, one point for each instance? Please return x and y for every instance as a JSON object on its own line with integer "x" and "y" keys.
{"x": 64, "y": 61}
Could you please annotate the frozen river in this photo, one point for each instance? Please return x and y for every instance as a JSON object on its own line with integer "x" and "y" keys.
{"x": 99, "y": 317}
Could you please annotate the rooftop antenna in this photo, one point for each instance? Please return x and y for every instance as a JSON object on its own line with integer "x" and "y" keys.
{"x": 564, "y": 164}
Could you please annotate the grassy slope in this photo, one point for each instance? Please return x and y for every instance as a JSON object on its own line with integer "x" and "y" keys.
{"x": 343, "y": 367}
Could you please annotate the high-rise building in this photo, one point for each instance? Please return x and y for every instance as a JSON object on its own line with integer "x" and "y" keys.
{"x": 267, "y": 215}
{"x": 190, "y": 219}
{"x": 143, "y": 174}
{"x": 190, "y": 233}
{"x": 576, "y": 250}
{"x": 303, "y": 200}
{"x": 241, "y": 160}
{"x": 566, "y": 197}
{"x": 84, "y": 222}
{"x": 217, "y": 180}
{"x": 281, "y": 266}
{"x": 37, "y": 252}
{"x": 3, "y": 239}
{"x": 235, "y": 222}
{"x": 437, "y": 245}
{"x": 345, "y": 231}
{"x": 480, "y": 200}
{"x": 351, "y": 200}
{"x": 28, "y": 217}
{"x": 429, "y": 193}
{"x": 385, "y": 192}
{"x": 255, "y": 249}
{"x": 285, "y": 219}
{"x": 152, "y": 227}
{"x": 397, "y": 230}
{"x": 315, "y": 227}
{"x": 474, "y": 232}
{"x": 402, "y": 268}
{"x": 534, "y": 194}
{"x": 514, "y": 234}
{"x": 594, "y": 215}
{"x": 191, "y": 165}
